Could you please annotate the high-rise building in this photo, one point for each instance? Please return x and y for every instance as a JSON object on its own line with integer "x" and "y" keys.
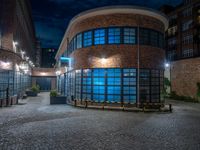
{"x": 48, "y": 57}
{"x": 38, "y": 53}
{"x": 17, "y": 46}
{"x": 183, "y": 46}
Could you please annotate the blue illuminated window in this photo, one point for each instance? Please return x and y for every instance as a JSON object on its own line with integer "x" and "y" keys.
{"x": 74, "y": 43}
{"x": 129, "y": 35}
{"x": 87, "y": 38}
{"x": 99, "y": 36}
{"x": 79, "y": 40}
{"x": 114, "y": 35}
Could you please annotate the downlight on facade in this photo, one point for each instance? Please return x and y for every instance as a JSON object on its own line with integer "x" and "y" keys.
{"x": 118, "y": 55}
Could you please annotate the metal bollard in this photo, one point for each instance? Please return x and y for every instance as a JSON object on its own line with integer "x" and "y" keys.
{"x": 170, "y": 107}
{"x": 7, "y": 96}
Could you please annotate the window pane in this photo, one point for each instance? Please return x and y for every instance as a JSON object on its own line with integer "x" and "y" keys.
{"x": 113, "y": 35}
{"x": 129, "y": 36}
{"x": 99, "y": 36}
{"x": 79, "y": 41}
{"x": 87, "y": 38}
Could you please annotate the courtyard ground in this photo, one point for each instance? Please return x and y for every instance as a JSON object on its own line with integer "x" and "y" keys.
{"x": 34, "y": 124}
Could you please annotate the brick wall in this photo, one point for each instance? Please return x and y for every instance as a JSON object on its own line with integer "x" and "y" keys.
{"x": 116, "y": 55}
{"x": 184, "y": 76}
{"x": 115, "y": 20}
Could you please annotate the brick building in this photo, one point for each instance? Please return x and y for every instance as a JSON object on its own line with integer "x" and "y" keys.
{"x": 115, "y": 54}
{"x": 183, "y": 46}
{"x": 17, "y": 47}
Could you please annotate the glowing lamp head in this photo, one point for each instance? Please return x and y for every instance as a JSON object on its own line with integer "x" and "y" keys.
{"x": 167, "y": 65}
{"x": 103, "y": 60}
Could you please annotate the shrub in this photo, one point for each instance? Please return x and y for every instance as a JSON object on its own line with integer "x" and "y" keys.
{"x": 53, "y": 93}
{"x": 167, "y": 84}
{"x": 198, "y": 91}
{"x": 35, "y": 88}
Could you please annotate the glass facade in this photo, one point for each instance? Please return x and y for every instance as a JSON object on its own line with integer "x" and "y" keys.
{"x": 112, "y": 85}
{"x": 15, "y": 81}
{"x": 116, "y": 35}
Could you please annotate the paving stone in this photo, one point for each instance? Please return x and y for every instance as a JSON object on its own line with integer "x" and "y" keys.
{"x": 40, "y": 126}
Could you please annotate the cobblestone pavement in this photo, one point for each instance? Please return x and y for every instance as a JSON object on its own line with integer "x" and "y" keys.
{"x": 39, "y": 126}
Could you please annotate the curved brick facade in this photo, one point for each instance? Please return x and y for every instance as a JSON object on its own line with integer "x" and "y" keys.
{"x": 116, "y": 20}
{"x": 117, "y": 55}
{"x": 104, "y": 44}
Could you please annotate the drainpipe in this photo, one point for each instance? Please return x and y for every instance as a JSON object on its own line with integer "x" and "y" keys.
{"x": 138, "y": 67}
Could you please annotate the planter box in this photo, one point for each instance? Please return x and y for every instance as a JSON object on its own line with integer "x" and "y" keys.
{"x": 31, "y": 93}
{"x": 58, "y": 100}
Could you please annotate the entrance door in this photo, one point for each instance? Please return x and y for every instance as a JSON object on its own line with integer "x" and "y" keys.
{"x": 44, "y": 83}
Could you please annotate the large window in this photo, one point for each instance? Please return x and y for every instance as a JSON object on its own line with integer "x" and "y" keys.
{"x": 87, "y": 84}
{"x": 129, "y": 85}
{"x": 145, "y": 85}
{"x": 187, "y": 39}
{"x": 186, "y": 25}
{"x": 99, "y": 85}
{"x": 114, "y": 85}
{"x": 99, "y": 36}
{"x": 118, "y": 35}
{"x": 187, "y": 53}
{"x": 153, "y": 38}
{"x": 144, "y": 36}
{"x": 129, "y": 35}
{"x": 79, "y": 40}
{"x": 114, "y": 35}
{"x": 87, "y": 38}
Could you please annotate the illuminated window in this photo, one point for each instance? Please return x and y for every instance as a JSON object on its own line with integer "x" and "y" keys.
{"x": 186, "y": 25}
{"x": 79, "y": 40}
{"x": 87, "y": 38}
{"x": 99, "y": 36}
{"x": 129, "y": 35}
{"x": 113, "y": 35}
{"x": 187, "y": 53}
{"x": 188, "y": 39}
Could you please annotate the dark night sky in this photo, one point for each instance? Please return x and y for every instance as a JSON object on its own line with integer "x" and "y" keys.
{"x": 51, "y": 17}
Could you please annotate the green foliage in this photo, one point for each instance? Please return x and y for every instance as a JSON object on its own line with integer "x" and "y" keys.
{"x": 167, "y": 84}
{"x": 198, "y": 91}
{"x": 35, "y": 88}
{"x": 174, "y": 96}
{"x": 53, "y": 93}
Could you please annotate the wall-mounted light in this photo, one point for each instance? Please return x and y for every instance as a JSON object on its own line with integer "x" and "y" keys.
{"x": 167, "y": 65}
{"x": 103, "y": 60}
{"x": 43, "y": 73}
{"x": 58, "y": 73}
{"x": 15, "y": 43}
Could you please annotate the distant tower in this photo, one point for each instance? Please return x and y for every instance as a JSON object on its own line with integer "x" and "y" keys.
{"x": 38, "y": 53}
